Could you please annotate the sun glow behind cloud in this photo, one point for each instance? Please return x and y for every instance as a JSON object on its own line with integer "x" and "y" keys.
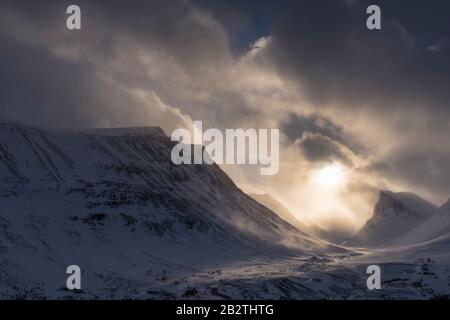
{"x": 331, "y": 176}
{"x": 327, "y": 186}
{"x": 324, "y": 194}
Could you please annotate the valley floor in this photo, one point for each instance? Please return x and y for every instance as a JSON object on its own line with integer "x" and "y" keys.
{"x": 313, "y": 277}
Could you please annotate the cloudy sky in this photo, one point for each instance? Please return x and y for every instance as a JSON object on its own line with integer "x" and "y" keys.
{"x": 358, "y": 110}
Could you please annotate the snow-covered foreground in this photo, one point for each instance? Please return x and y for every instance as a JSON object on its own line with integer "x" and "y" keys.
{"x": 140, "y": 227}
{"x": 335, "y": 277}
{"x": 314, "y": 278}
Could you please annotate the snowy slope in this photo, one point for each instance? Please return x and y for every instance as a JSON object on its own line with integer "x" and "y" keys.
{"x": 394, "y": 215}
{"x": 277, "y": 207}
{"x": 436, "y": 228}
{"x": 111, "y": 201}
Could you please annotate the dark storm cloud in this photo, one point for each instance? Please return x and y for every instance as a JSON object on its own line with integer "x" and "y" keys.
{"x": 322, "y": 44}
{"x": 40, "y": 89}
{"x": 296, "y": 125}
{"x": 317, "y": 148}
{"x": 53, "y": 76}
{"x": 245, "y": 21}
{"x": 337, "y": 59}
{"x": 427, "y": 171}
{"x": 320, "y": 140}
{"x": 35, "y": 87}
{"x": 401, "y": 72}
{"x": 326, "y": 46}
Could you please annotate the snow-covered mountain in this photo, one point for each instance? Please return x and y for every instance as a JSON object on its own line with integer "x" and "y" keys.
{"x": 284, "y": 213}
{"x": 112, "y": 202}
{"x": 394, "y": 215}
{"x": 436, "y": 228}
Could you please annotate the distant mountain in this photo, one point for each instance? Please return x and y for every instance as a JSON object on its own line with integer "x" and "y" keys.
{"x": 112, "y": 202}
{"x": 437, "y": 227}
{"x": 284, "y": 213}
{"x": 394, "y": 215}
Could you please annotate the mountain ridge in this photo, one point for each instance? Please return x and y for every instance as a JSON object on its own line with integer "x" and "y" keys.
{"x": 394, "y": 215}
{"x": 433, "y": 228}
{"x": 114, "y": 203}
{"x": 284, "y": 213}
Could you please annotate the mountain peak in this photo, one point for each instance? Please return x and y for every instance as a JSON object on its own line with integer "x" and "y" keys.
{"x": 394, "y": 214}
{"x": 403, "y": 202}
